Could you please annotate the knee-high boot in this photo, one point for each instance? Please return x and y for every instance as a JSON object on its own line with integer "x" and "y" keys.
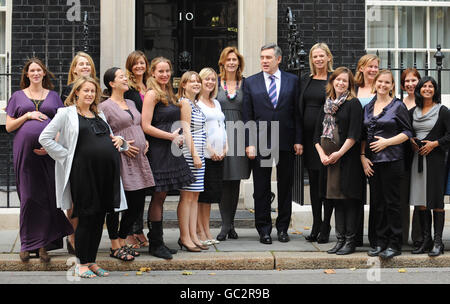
{"x": 439, "y": 221}
{"x": 325, "y": 229}
{"x": 157, "y": 247}
{"x": 339, "y": 219}
{"x": 425, "y": 223}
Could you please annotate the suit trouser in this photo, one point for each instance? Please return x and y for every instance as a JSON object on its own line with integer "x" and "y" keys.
{"x": 262, "y": 177}
{"x": 88, "y": 236}
{"x": 386, "y": 203}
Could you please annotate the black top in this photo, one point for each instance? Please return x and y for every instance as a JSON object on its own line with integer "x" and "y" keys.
{"x": 95, "y": 173}
{"x": 349, "y": 121}
{"x": 313, "y": 98}
{"x": 393, "y": 120}
{"x": 66, "y": 92}
{"x": 134, "y": 95}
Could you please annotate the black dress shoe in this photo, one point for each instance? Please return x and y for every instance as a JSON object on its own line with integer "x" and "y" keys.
{"x": 283, "y": 237}
{"x": 389, "y": 253}
{"x": 311, "y": 238}
{"x": 376, "y": 251}
{"x": 232, "y": 234}
{"x": 265, "y": 239}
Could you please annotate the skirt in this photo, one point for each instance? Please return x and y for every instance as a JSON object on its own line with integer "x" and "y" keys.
{"x": 213, "y": 182}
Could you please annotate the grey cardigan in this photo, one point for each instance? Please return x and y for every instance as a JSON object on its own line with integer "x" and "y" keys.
{"x": 62, "y": 151}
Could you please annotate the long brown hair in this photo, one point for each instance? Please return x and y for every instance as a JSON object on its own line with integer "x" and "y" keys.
{"x": 131, "y": 61}
{"x": 79, "y": 82}
{"x": 72, "y": 76}
{"x": 223, "y": 59}
{"x": 46, "y": 81}
{"x": 165, "y": 96}
{"x": 331, "y": 93}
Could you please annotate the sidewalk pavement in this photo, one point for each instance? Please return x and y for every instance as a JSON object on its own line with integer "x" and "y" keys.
{"x": 245, "y": 253}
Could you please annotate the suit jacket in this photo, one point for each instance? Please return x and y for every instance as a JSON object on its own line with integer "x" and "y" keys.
{"x": 62, "y": 151}
{"x": 258, "y": 107}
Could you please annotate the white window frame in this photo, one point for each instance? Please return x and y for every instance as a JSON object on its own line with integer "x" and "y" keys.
{"x": 396, "y": 49}
{"x": 8, "y": 10}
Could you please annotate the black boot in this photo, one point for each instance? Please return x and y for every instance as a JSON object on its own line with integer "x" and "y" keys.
{"x": 439, "y": 221}
{"x": 324, "y": 235}
{"x": 349, "y": 246}
{"x": 425, "y": 223}
{"x": 339, "y": 220}
{"x": 157, "y": 247}
{"x": 351, "y": 216}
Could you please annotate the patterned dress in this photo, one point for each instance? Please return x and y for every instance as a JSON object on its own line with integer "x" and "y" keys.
{"x": 198, "y": 132}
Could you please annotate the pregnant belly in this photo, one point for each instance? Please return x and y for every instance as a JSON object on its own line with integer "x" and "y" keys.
{"x": 30, "y": 131}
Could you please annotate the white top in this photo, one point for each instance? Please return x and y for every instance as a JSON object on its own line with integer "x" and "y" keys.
{"x": 216, "y": 136}
{"x": 277, "y": 75}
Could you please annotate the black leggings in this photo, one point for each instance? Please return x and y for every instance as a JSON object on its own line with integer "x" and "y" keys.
{"x": 136, "y": 202}
{"x": 88, "y": 236}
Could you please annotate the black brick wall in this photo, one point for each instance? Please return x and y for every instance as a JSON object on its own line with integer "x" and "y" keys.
{"x": 29, "y": 21}
{"x": 29, "y": 35}
{"x": 339, "y": 23}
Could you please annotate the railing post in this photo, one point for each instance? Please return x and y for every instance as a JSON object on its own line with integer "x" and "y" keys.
{"x": 400, "y": 75}
{"x": 439, "y": 56}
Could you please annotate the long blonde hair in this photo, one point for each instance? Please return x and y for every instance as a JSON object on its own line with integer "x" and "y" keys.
{"x": 184, "y": 79}
{"x": 223, "y": 59}
{"x": 72, "y": 76}
{"x": 131, "y": 61}
{"x": 362, "y": 63}
{"x": 323, "y": 46}
{"x": 79, "y": 82}
{"x": 165, "y": 96}
{"x": 204, "y": 73}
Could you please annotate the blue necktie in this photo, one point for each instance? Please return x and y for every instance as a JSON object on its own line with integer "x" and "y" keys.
{"x": 273, "y": 91}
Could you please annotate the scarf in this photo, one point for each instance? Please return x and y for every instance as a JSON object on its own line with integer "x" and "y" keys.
{"x": 330, "y": 108}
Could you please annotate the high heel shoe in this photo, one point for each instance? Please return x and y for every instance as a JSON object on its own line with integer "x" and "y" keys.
{"x": 190, "y": 249}
{"x": 202, "y": 247}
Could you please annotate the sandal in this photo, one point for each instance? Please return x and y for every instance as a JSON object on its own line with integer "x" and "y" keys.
{"x": 130, "y": 250}
{"x": 85, "y": 275}
{"x": 121, "y": 254}
{"x": 144, "y": 243}
{"x": 133, "y": 242}
{"x": 99, "y": 271}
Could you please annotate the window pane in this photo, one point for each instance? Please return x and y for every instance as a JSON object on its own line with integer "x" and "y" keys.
{"x": 380, "y": 27}
{"x": 440, "y": 27}
{"x": 2, "y": 79}
{"x": 412, "y": 27}
{"x": 2, "y": 2}
{"x": 2, "y": 33}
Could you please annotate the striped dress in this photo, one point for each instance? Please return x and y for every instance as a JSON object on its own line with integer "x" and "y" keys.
{"x": 198, "y": 131}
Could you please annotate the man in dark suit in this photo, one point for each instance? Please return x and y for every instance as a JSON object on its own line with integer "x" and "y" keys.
{"x": 270, "y": 99}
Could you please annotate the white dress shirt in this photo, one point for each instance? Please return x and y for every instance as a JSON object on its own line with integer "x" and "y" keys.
{"x": 277, "y": 75}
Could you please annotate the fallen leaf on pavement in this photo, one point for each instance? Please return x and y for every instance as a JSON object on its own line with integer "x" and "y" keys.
{"x": 352, "y": 269}
{"x": 402, "y": 270}
{"x": 251, "y": 211}
{"x": 297, "y": 232}
{"x": 330, "y": 271}
{"x": 145, "y": 269}
{"x": 306, "y": 228}
{"x": 139, "y": 273}
{"x": 187, "y": 273}
{"x": 212, "y": 273}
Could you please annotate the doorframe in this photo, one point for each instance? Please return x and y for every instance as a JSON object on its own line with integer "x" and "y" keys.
{"x": 118, "y": 31}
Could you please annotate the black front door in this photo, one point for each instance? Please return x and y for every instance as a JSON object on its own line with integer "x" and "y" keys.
{"x": 191, "y": 33}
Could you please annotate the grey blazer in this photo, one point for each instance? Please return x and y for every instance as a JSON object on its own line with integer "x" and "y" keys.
{"x": 62, "y": 151}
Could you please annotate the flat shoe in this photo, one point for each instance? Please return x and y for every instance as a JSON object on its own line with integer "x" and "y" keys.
{"x": 85, "y": 275}
{"x": 99, "y": 272}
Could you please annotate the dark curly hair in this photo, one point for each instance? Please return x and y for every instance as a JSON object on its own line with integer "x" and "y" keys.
{"x": 437, "y": 91}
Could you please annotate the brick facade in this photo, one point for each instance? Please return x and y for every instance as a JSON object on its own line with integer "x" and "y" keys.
{"x": 340, "y": 24}
{"x": 31, "y": 21}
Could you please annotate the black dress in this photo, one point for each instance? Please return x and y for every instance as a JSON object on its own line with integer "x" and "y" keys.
{"x": 313, "y": 98}
{"x": 171, "y": 172}
{"x": 95, "y": 173}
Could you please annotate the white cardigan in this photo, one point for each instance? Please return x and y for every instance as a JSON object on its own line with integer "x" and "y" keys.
{"x": 62, "y": 151}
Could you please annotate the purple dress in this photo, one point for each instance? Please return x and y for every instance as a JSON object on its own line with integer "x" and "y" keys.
{"x": 42, "y": 224}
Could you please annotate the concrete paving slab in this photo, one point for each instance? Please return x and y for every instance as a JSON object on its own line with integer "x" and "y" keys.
{"x": 8, "y": 238}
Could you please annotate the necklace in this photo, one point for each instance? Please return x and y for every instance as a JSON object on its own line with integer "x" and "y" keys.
{"x": 37, "y": 102}
{"x": 231, "y": 96}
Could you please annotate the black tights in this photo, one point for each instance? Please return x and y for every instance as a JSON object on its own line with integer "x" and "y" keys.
{"x": 88, "y": 236}
{"x": 155, "y": 211}
{"x": 135, "y": 201}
